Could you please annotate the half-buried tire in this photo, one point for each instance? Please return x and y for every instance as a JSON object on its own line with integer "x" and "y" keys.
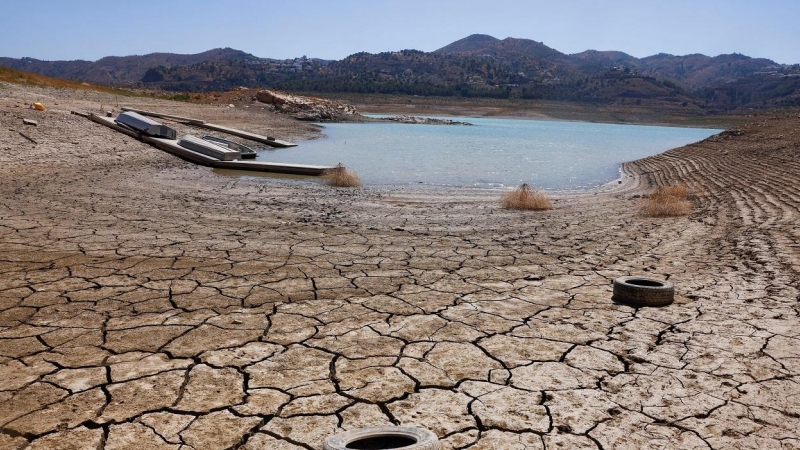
{"x": 384, "y": 437}
{"x": 641, "y": 291}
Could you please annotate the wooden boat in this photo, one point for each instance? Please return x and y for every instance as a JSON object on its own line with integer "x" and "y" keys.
{"x": 247, "y": 152}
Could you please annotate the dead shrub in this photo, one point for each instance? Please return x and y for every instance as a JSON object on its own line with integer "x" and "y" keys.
{"x": 667, "y": 201}
{"x": 680, "y": 191}
{"x": 525, "y": 198}
{"x": 341, "y": 176}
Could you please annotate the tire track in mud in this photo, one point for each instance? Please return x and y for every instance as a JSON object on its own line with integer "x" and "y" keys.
{"x": 746, "y": 180}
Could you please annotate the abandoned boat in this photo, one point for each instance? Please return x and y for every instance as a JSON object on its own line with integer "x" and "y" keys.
{"x": 247, "y": 152}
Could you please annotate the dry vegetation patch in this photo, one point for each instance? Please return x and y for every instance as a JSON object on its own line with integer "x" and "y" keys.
{"x": 525, "y": 198}
{"x": 667, "y": 201}
{"x": 32, "y": 79}
{"x": 341, "y": 176}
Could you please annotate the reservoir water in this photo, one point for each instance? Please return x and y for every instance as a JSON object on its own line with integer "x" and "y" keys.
{"x": 492, "y": 153}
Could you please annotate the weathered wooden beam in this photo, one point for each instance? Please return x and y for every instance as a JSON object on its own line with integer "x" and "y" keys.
{"x": 272, "y": 142}
{"x": 27, "y": 137}
{"x": 164, "y": 116}
{"x": 172, "y": 147}
{"x": 111, "y": 124}
{"x": 258, "y": 166}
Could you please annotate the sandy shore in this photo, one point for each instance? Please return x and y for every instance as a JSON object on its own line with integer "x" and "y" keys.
{"x": 149, "y": 303}
{"x": 654, "y": 114}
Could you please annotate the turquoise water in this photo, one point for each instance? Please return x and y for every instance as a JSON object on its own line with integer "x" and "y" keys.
{"x": 492, "y": 153}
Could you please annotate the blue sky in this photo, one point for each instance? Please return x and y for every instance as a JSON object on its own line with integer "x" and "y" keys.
{"x": 333, "y": 29}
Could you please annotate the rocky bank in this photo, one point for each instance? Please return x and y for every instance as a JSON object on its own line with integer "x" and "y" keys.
{"x": 309, "y": 108}
{"x": 423, "y": 120}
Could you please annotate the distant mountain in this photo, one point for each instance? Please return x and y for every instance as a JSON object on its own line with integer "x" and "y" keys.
{"x": 469, "y": 44}
{"x": 483, "y": 45}
{"x": 697, "y": 71}
{"x": 478, "y": 65}
{"x": 120, "y": 69}
{"x": 596, "y": 61}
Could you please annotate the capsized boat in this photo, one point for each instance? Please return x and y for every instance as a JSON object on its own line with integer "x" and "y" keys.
{"x": 247, "y": 152}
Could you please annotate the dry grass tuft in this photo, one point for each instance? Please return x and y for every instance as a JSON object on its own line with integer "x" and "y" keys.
{"x": 667, "y": 201}
{"x": 525, "y": 198}
{"x": 341, "y": 176}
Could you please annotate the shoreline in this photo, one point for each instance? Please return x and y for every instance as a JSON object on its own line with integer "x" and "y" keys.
{"x": 368, "y": 110}
{"x": 542, "y": 110}
{"x": 603, "y": 186}
{"x": 148, "y": 301}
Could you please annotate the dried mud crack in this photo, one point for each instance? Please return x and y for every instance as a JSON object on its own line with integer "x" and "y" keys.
{"x": 149, "y": 303}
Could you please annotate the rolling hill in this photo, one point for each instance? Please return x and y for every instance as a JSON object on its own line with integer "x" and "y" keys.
{"x": 476, "y": 66}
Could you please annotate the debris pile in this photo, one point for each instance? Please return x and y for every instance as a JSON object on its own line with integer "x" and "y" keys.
{"x": 423, "y": 120}
{"x": 308, "y": 108}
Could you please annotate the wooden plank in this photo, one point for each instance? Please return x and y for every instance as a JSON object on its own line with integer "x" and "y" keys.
{"x": 111, "y": 124}
{"x": 272, "y": 142}
{"x": 27, "y": 137}
{"x": 258, "y": 166}
{"x": 168, "y": 145}
{"x": 172, "y": 147}
{"x": 164, "y": 116}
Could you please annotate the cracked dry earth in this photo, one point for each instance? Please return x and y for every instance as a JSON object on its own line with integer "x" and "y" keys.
{"x": 146, "y": 303}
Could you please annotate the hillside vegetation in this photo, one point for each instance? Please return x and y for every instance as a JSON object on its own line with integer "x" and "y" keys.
{"x": 26, "y": 78}
{"x": 476, "y": 66}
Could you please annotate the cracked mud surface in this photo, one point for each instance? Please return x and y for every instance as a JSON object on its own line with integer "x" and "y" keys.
{"x": 148, "y": 303}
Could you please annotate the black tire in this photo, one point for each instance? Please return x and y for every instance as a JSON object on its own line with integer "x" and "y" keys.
{"x": 641, "y": 291}
{"x": 384, "y": 437}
